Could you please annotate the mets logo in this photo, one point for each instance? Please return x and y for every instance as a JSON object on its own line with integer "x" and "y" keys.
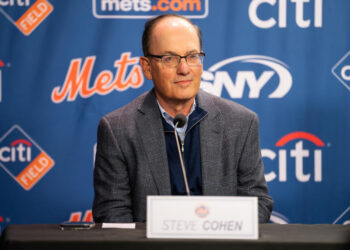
{"x": 78, "y": 216}
{"x": 22, "y": 158}
{"x": 25, "y": 16}
{"x": 202, "y": 211}
{"x": 128, "y": 74}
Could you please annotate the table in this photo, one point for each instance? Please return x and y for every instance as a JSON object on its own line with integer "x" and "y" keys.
{"x": 271, "y": 236}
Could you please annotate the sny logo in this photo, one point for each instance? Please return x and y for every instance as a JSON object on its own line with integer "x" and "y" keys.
{"x": 299, "y": 153}
{"x": 341, "y": 70}
{"x": 77, "y": 79}
{"x": 23, "y": 15}
{"x": 129, "y": 9}
{"x": 259, "y": 6}
{"x": 246, "y": 68}
{"x": 22, "y": 158}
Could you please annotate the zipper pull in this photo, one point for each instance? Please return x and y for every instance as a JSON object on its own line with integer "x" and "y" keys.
{"x": 182, "y": 146}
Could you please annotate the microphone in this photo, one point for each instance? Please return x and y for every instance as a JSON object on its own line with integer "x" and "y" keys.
{"x": 179, "y": 122}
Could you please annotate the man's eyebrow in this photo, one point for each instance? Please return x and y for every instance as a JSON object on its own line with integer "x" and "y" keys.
{"x": 175, "y": 54}
{"x": 168, "y": 52}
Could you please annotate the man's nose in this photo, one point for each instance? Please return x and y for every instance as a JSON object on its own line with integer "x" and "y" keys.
{"x": 183, "y": 67}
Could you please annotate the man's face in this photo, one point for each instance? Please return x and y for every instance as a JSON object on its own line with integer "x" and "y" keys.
{"x": 173, "y": 36}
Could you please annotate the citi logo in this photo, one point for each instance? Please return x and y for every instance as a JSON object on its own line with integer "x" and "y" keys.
{"x": 259, "y": 8}
{"x": 137, "y": 9}
{"x": 5, "y": 3}
{"x": 20, "y": 150}
{"x": 78, "y": 77}
{"x": 245, "y": 70}
{"x": 307, "y": 163}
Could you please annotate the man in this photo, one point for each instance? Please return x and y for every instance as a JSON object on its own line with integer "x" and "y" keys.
{"x": 136, "y": 151}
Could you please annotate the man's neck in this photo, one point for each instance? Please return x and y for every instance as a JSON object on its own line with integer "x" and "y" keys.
{"x": 174, "y": 108}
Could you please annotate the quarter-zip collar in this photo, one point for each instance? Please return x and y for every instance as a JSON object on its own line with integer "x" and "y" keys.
{"x": 195, "y": 116}
{"x": 170, "y": 120}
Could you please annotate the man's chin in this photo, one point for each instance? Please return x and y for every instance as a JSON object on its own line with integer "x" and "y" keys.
{"x": 183, "y": 99}
{"x": 180, "y": 96}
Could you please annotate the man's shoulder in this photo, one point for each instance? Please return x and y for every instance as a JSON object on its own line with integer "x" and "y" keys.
{"x": 224, "y": 106}
{"x": 127, "y": 113}
{"x": 129, "y": 108}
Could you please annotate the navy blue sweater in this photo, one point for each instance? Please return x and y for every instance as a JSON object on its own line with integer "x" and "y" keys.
{"x": 191, "y": 155}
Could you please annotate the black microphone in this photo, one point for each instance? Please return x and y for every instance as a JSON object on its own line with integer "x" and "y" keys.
{"x": 179, "y": 122}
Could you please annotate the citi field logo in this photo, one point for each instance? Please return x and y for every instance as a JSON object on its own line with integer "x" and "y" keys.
{"x": 292, "y": 149}
{"x": 24, "y": 15}
{"x": 78, "y": 78}
{"x": 341, "y": 70}
{"x": 78, "y": 216}
{"x": 22, "y": 158}
{"x": 142, "y": 9}
{"x": 253, "y": 71}
{"x": 259, "y": 9}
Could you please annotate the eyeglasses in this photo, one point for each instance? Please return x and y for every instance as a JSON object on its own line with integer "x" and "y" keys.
{"x": 172, "y": 61}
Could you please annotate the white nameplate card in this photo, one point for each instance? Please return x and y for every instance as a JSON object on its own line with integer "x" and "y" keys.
{"x": 202, "y": 217}
{"x": 119, "y": 225}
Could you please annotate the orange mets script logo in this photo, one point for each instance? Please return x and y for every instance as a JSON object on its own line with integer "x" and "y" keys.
{"x": 25, "y": 16}
{"x": 78, "y": 78}
{"x": 77, "y": 216}
{"x": 22, "y": 158}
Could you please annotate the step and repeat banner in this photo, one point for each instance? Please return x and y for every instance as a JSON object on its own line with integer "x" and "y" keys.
{"x": 66, "y": 63}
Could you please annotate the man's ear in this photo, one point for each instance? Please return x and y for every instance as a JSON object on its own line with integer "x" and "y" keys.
{"x": 146, "y": 67}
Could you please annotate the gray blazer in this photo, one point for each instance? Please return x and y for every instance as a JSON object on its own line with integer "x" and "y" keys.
{"x": 131, "y": 159}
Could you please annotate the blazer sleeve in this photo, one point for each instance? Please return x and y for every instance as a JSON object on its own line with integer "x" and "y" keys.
{"x": 251, "y": 179}
{"x": 112, "y": 200}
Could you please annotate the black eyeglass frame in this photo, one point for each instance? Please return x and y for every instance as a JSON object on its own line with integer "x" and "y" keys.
{"x": 180, "y": 57}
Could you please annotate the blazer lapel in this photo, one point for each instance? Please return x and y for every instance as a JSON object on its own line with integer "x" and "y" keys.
{"x": 151, "y": 132}
{"x": 211, "y": 144}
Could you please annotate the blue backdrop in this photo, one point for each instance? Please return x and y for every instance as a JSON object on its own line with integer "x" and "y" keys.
{"x": 65, "y": 64}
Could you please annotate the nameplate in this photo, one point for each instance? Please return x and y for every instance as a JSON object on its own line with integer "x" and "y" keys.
{"x": 202, "y": 217}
